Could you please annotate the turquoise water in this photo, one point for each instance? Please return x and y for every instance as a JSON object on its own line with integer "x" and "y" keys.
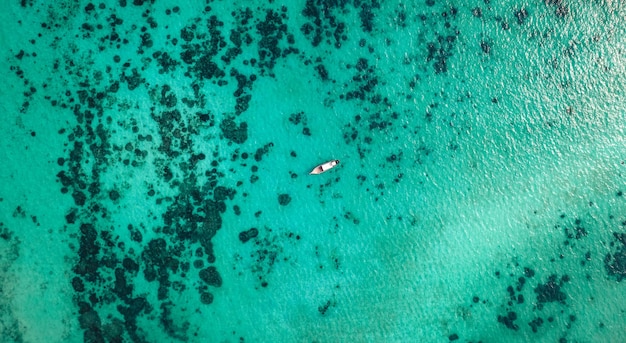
{"x": 155, "y": 160}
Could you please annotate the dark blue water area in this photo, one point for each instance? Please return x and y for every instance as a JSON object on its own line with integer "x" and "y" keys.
{"x": 155, "y": 179}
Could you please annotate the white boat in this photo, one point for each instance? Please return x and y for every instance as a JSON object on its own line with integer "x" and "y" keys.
{"x": 324, "y": 167}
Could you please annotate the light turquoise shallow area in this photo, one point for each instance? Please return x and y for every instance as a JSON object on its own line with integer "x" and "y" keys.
{"x": 479, "y": 196}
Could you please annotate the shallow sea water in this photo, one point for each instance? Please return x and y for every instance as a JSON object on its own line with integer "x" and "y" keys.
{"x": 155, "y": 160}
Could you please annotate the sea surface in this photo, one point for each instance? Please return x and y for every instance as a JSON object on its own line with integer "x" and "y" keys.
{"x": 155, "y": 154}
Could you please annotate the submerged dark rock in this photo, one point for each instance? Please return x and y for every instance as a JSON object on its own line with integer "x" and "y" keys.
{"x": 245, "y": 236}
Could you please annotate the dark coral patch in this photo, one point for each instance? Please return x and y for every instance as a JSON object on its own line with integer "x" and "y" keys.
{"x": 77, "y": 284}
{"x": 79, "y": 198}
{"x": 260, "y": 152}
{"x": 284, "y": 199}
{"x": 509, "y": 320}
{"x": 536, "y": 323}
{"x": 550, "y": 291}
{"x": 561, "y": 8}
{"x": 323, "y": 309}
{"x": 233, "y": 132}
{"x": 615, "y": 262}
{"x": 207, "y": 69}
{"x": 206, "y": 298}
{"x": 521, "y": 15}
{"x": 211, "y": 276}
{"x": 114, "y": 195}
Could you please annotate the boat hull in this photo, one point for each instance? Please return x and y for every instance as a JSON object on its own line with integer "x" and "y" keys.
{"x": 324, "y": 167}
